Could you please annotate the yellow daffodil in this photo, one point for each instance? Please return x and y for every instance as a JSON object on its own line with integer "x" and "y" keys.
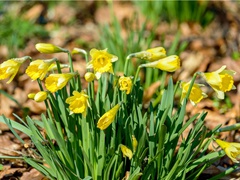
{"x": 126, "y": 151}
{"x": 89, "y": 76}
{"x": 49, "y": 48}
{"x": 9, "y": 68}
{"x": 125, "y": 84}
{"x": 196, "y": 94}
{"x": 101, "y": 62}
{"x": 152, "y": 54}
{"x": 38, "y": 97}
{"x": 134, "y": 143}
{"x": 220, "y": 80}
{"x": 55, "y": 82}
{"x": 78, "y": 102}
{"x": 107, "y": 118}
{"x": 169, "y": 64}
{"x": 39, "y": 68}
{"x": 232, "y": 150}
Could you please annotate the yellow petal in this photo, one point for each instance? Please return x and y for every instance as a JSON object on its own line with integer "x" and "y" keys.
{"x": 107, "y": 118}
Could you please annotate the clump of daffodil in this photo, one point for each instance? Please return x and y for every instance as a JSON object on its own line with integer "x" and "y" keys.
{"x": 39, "y": 68}
{"x": 196, "y": 94}
{"x": 152, "y": 54}
{"x": 101, "y": 62}
{"x": 220, "y": 80}
{"x": 125, "y": 84}
{"x": 49, "y": 48}
{"x": 9, "y": 68}
{"x": 134, "y": 143}
{"x": 232, "y": 150}
{"x": 78, "y": 102}
{"x": 108, "y": 117}
{"x": 169, "y": 64}
{"x": 126, "y": 151}
{"x": 39, "y": 96}
{"x": 89, "y": 76}
{"x": 55, "y": 82}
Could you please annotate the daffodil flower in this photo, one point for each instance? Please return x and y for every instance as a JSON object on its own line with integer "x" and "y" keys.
{"x": 232, "y": 150}
{"x": 39, "y": 68}
{"x": 220, "y": 80}
{"x": 126, "y": 151}
{"x": 107, "y": 118}
{"x": 101, "y": 62}
{"x": 78, "y": 102}
{"x": 125, "y": 84}
{"x": 53, "y": 67}
{"x": 47, "y": 48}
{"x": 9, "y": 68}
{"x": 152, "y": 54}
{"x": 196, "y": 94}
{"x": 55, "y": 82}
{"x": 169, "y": 64}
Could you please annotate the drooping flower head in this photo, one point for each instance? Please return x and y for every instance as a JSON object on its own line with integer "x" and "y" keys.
{"x": 47, "y": 48}
{"x": 125, "y": 84}
{"x": 232, "y": 150}
{"x": 152, "y": 54}
{"x": 39, "y": 68}
{"x": 196, "y": 94}
{"x": 55, "y": 82}
{"x": 101, "y": 62}
{"x": 78, "y": 102}
{"x": 126, "y": 151}
{"x": 169, "y": 64}
{"x": 9, "y": 68}
{"x": 220, "y": 80}
{"x": 107, "y": 118}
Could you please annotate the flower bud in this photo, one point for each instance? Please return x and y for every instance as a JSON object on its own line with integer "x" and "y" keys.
{"x": 89, "y": 76}
{"x": 31, "y": 95}
{"x": 49, "y": 48}
{"x": 134, "y": 143}
{"x": 40, "y": 96}
{"x": 152, "y": 54}
{"x": 78, "y": 51}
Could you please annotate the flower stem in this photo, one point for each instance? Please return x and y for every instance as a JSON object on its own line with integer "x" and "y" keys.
{"x": 126, "y": 63}
{"x": 136, "y": 75}
{"x": 229, "y": 128}
{"x": 70, "y": 62}
{"x": 191, "y": 85}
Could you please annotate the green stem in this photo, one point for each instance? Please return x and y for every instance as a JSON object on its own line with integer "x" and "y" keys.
{"x": 70, "y": 62}
{"x": 191, "y": 85}
{"x": 136, "y": 75}
{"x": 229, "y": 128}
{"x": 126, "y": 63}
